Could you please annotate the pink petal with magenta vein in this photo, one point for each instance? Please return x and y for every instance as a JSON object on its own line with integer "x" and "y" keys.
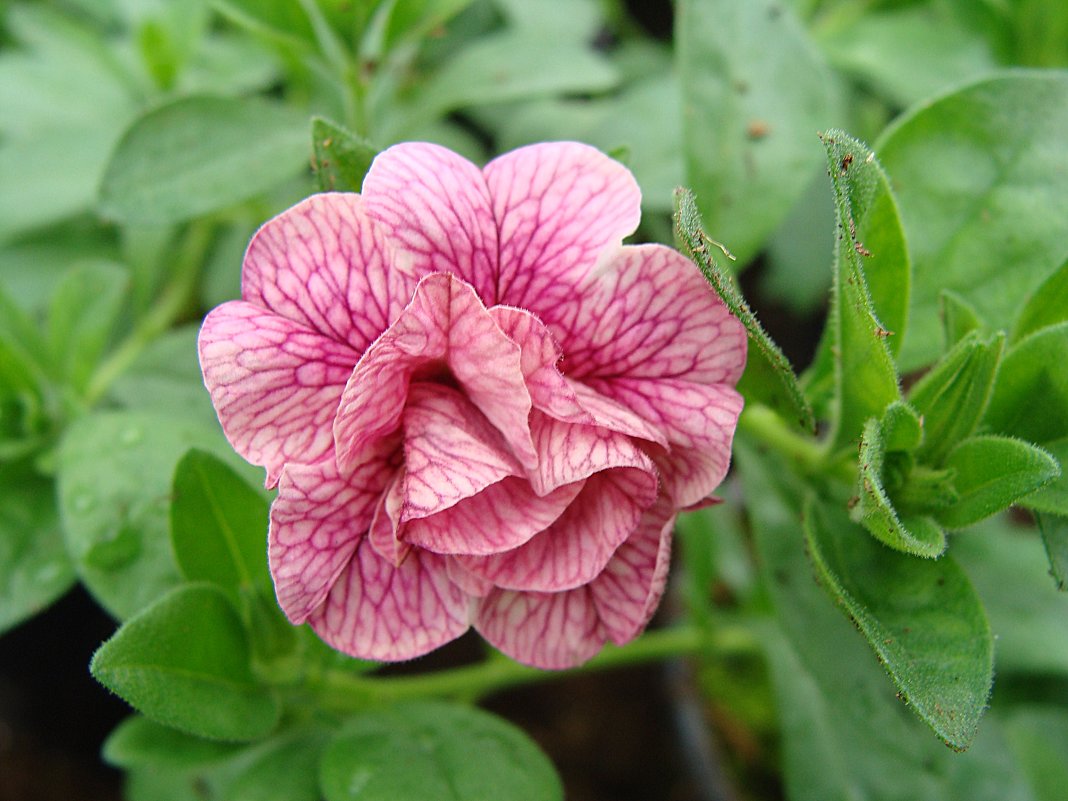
{"x": 383, "y": 531}
{"x": 648, "y": 313}
{"x": 549, "y": 390}
{"x": 316, "y": 522}
{"x": 576, "y": 548}
{"x": 451, "y": 451}
{"x": 499, "y": 518}
{"x": 569, "y": 453}
{"x": 378, "y": 611}
{"x": 275, "y": 384}
{"x": 697, "y": 420}
{"x": 547, "y": 630}
{"x": 627, "y": 593}
{"x": 326, "y": 264}
{"x": 445, "y": 324}
{"x": 609, "y": 414}
{"x": 558, "y": 206}
{"x": 436, "y": 208}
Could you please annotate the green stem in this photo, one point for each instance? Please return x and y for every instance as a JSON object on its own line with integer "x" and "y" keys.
{"x": 171, "y": 302}
{"x": 808, "y": 454}
{"x": 340, "y": 691}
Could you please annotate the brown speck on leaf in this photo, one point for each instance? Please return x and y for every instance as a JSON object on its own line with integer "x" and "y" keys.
{"x": 328, "y": 141}
{"x": 757, "y": 129}
{"x": 847, "y": 159}
{"x": 882, "y": 332}
{"x": 863, "y": 251}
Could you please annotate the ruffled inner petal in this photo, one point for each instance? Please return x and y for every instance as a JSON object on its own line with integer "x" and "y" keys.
{"x": 575, "y": 549}
{"x": 558, "y": 206}
{"x": 326, "y": 264}
{"x": 317, "y": 520}
{"x": 436, "y": 208}
{"x": 376, "y": 610}
{"x": 445, "y": 324}
{"x": 553, "y": 631}
{"x": 275, "y": 384}
{"x": 627, "y": 593}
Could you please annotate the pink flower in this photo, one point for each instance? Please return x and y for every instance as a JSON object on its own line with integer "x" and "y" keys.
{"x": 479, "y": 407}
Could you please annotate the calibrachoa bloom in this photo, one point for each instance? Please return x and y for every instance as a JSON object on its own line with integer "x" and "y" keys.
{"x": 479, "y": 407}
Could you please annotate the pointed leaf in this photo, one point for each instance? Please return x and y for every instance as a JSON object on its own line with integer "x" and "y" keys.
{"x": 981, "y": 177}
{"x": 198, "y": 154}
{"x": 218, "y": 524}
{"x": 341, "y": 157}
{"x": 902, "y": 428}
{"x": 435, "y": 750}
{"x": 865, "y": 376}
{"x": 184, "y": 662}
{"x": 923, "y": 619}
{"x": 953, "y": 395}
{"x": 753, "y": 91}
{"x": 284, "y": 769}
{"x": 919, "y": 536}
{"x": 959, "y": 317}
{"x": 1052, "y": 498}
{"x": 991, "y": 474}
{"x": 1030, "y": 398}
{"x": 691, "y": 236}
{"x": 139, "y": 741}
{"x": 1047, "y": 306}
{"x": 1054, "y": 530}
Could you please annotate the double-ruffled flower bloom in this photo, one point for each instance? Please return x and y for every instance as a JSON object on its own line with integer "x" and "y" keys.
{"x": 479, "y": 408}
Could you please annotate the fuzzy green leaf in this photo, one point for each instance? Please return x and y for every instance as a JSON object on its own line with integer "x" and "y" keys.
{"x": 139, "y": 741}
{"x": 865, "y": 376}
{"x": 341, "y": 159}
{"x": 184, "y": 662}
{"x": 1030, "y": 398}
{"x": 959, "y": 317}
{"x": 1054, "y": 530}
{"x": 922, "y": 618}
{"x": 953, "y": 395}
{"x": 697, "y": 244}
{"x": 992, "y": 473}
{"x": 435, "y": 750}
{"x": 1047, "y": 306}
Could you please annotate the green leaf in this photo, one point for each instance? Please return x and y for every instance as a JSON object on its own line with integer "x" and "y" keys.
{"x": 923, "y": 619}
{"x": 34, "y": 567}
{"x": 689, "y": 233}
{"x": 82, "y": 317}
{"x": 981, "y": 177}
{"x": 500, "y": 68}
{"x": 916, "y": 535}
{"x": 1039, "y": 738}
{"x": 1027, "y": 614}
{"x": 284, "y": 769}
{"x": 114, "y": 491}
{"x": 1052, "y": 498}
{"x": 138, "y": 741}
{"x": 184, "y": 662}
{"x": 865, "y": 376}
{"x": 953, "y": 395}
{"x": 199, "y": 154}
{"x": 959, "y": 317}
{"x": 844, "y": 734}
{"x": 435, "y": 750}
{"x": 754, "y": 91}
{"x": 1047, "y": 306}
{"x": 282, "y": 20}
{"x": 218, "y": 524}
{"x": 1054, "y": 530}
{"x": 341, "y": 157}
{"x": 1030, "y": 398}
{"x": 902, "y": 428}
{"x": 940, "y": 51}
{"x": 413, "y": 19}
{"x": 992, "y": 473}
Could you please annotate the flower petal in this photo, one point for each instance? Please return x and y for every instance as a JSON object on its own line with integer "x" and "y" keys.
{"x": 445, "y": 324}
{"x": 627, "y": 593}
{"x": 383, "y": 531}
{"x": 547, "y": 630}
{"x": 698, "y": 422}
{"x": 549, "y": 390}
{"x": 317, "y": 520}
{"x": 648, "y": 313}
{"x": 275, "y": 384}
{"x": 614, "y": 416}
{"x": 326, "y": 264}
{"x": 576, "y": 548}
{"x": 451, "y": 451}
{"x": 378, "y": 611}
{"x": 558, "y": 206}
{"x": 499, "y": 518}
{"x": 436, "y": 208}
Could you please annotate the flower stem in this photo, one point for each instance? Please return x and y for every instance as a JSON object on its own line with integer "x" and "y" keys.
{"x": 164, "y": 312}
{"x": 807, "y": 453}
{"x": 340, "y": 691}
